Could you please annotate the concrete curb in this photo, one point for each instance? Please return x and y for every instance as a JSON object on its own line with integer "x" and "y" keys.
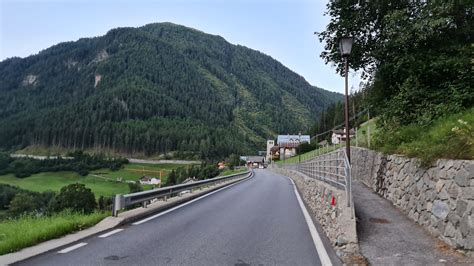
{"x": 111, "y": 222}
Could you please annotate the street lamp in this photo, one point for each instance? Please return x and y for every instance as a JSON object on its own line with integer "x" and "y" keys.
{"x": 299, "y": 148}
{"x": 345, "y": 47}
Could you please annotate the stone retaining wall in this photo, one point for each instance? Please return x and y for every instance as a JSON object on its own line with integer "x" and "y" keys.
{"x": 328, "y": 205}
{"x": 440, "y": 198}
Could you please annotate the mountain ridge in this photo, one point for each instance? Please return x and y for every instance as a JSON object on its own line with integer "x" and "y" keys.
{"x": 126, "y": 89}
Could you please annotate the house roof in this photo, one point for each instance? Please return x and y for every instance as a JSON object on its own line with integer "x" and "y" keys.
{"x": 342, "y": 131}
{"x": 255, "y": 158}
{"x": 274, "y": 149}
{"x": 284, "y": 139}
{"x": 146, "y": 178}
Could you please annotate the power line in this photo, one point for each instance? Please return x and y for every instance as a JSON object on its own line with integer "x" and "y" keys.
{"x": 342, "y": 124}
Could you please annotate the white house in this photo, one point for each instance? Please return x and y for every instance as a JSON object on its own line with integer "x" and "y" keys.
{"x": 339, "y": 135}
{"x": 149, "y": 180}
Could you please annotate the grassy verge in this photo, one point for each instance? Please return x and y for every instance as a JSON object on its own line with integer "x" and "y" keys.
{"x": 27, "y": 231}
{"x": 366, "y": 130}
{"x": 450, "y": 137}
{"x": 310, "y": 154}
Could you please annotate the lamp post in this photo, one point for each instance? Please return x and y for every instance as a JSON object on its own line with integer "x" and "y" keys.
{"x": 345, "y": 47}
{"x": 299, "y": 147}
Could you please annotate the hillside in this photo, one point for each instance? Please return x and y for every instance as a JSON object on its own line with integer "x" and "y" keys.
{"x": 153, "y": 89}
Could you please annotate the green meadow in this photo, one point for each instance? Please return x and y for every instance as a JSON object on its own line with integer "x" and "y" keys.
{"x": 102, "y": 182}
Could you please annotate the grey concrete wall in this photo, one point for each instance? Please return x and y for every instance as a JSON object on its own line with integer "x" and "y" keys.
{"x": 440, "y": 198}
{"x": 337, "y": 221}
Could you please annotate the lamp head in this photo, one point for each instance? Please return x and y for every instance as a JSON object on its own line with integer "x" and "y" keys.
{"x": 345, "y": 46}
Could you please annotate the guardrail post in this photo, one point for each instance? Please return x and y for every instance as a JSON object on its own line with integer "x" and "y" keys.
{"x": 118, "y": 204}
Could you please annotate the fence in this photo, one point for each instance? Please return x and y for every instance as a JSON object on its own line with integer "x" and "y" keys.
{"x": 332, "y": 167}
{"x": 122, "y": 201}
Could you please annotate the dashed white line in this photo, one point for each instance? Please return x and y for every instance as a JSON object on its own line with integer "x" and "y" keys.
{"x": 184, "y": 204}
{"x": 71, "y": 248}
{"x": 318, "y": 243}
{"x": 110, "y": 233}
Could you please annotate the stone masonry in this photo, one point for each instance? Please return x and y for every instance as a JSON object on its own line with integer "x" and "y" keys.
{"x": 440, "y": 198}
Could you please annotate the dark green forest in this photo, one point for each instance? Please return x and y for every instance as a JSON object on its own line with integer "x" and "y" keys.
{"x": 333, "y": 117}
{"x": 153, "y": 89}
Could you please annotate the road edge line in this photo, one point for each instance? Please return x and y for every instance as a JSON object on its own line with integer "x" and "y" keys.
{"x": 317, "y": 241}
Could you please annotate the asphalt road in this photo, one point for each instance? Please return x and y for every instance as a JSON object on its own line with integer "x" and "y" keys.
{"x": 255, "y": 222}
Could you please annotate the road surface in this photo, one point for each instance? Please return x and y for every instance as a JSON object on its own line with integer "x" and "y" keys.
{"x": 256, "y": 222}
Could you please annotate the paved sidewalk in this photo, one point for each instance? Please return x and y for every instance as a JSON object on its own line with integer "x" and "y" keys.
{"x": 388, "y": 237}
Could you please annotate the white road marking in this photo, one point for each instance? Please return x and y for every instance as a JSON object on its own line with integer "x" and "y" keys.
{"x": 184, "y": 204}
{"x": 71, "y": 248}
{"x": 318, "y": 243}
{"x": 110, "y": 233}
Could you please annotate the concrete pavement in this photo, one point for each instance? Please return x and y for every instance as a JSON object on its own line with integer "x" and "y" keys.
{"x": 388, "y": 237}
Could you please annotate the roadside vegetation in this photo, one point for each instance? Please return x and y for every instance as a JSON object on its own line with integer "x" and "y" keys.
{"x": 450, "y": 137}
{"x": 306, "y": 155}
{"x": 77, "y": 161}
{"x": 418, "y": 81}
{"x": 28, "y": 230}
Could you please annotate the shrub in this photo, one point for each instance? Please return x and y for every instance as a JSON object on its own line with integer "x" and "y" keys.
{"x": 135, "y": 187}
{"x": 22, "y": 204}
{"x": 75, "y": 197}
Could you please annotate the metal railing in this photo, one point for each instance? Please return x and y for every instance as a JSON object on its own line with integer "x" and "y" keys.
{"x": 122, "y": 201}
{"x": 333, "y": 168}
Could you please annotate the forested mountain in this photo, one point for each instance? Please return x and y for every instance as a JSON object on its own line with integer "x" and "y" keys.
{"x": 153, "y": 89}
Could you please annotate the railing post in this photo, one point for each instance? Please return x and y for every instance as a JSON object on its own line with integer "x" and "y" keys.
{"x": 118, "y": 204}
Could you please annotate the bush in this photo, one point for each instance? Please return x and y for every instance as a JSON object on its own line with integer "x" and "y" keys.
{"x": 306, "y": 147}
{"x": 83, "y": 172}
{"x": 75, "y": 197}
{"x": 7, "y": 193}
{"x": 135, "y": 187}
{"x": 22, "y": 204}
{"x": 105, "y": 203}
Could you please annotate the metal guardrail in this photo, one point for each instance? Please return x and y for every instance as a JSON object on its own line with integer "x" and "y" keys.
{"x": 333, "y": 168}
{"x": 122, "y": 201}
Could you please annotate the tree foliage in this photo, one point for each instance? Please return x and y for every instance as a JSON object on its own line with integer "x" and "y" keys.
{"x": 81, "y": 163}
{"x": 416, "y": 54}
{"x": 75, "y": 197}
{"x": 22, "y": 203}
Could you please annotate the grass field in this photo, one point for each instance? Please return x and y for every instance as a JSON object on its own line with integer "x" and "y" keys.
{"x": 56, "y": 180}
{"x": 16, "y": 234}
{"x": 134, "y": 171}
{"x": 102, "y": 182}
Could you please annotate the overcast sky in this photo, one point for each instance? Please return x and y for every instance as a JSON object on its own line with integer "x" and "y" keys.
{"x": 282, "y": 29}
